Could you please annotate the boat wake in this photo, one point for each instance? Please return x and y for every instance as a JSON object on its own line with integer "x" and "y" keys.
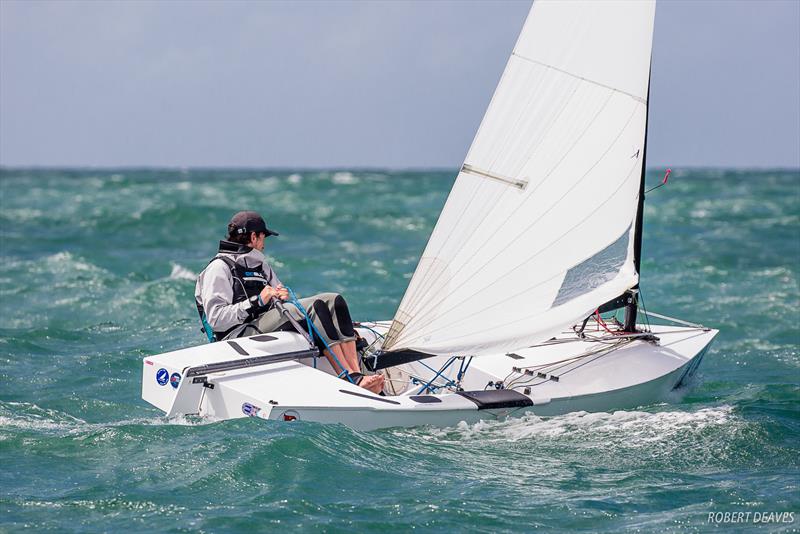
{"x": 28, "y": 417}
{"x": 641, "y": 428}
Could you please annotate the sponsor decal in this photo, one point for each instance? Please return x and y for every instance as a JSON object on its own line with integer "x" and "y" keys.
{"x": 291, "y": 415}
{"x": 175, "y": 380}
{"x": 148, "y": 362}
{"x": 162, "y": 377}
{"x": 249, "y": 410}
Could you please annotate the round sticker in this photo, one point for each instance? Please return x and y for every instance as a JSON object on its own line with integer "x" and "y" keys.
{"x": 250, "y": 410}
{"x": 291, "y": 415}
{"x": 162, "y": 377}
{"x": 175, "y": 380}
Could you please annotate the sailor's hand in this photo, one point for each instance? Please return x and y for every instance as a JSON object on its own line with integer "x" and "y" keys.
{"x": 281, "y": 292}
{"x": 269, "y": 292}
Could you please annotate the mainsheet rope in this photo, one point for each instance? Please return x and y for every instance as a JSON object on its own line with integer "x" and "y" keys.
{"x": 313, "y": 330}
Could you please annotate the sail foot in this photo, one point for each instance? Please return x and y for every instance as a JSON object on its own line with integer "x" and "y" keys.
{"x": 382, "y": 360}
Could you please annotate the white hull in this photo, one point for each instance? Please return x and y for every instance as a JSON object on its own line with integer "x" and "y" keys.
{"x": 227, "y": 381}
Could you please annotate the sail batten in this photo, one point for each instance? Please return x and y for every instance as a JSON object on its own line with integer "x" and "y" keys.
{"x": 516, "y": 182}
{"x": 538, "y": 229}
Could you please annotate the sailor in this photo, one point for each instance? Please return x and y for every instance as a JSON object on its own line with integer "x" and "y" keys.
{"x": 234, "y": 297}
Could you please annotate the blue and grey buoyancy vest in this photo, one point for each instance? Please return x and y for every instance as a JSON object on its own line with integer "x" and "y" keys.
{"x": 247, "y": 284}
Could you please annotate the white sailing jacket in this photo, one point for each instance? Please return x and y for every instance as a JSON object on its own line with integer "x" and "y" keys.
{"x": 214, "y": 288}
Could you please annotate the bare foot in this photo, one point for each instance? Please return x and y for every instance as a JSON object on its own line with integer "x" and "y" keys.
{"x": 373, "y": 383}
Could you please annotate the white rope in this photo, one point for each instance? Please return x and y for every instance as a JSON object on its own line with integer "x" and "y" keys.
{"x": 667, "y": 318}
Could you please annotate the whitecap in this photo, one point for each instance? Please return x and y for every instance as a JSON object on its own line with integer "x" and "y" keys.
{"x": 32, "y": 424}
{"x": 180, "y": 272}
{"x": 114, "y": 503}
{"x": 29, "y": 416}
{"x": 344, "y": 178}
{"x": 21, "y": 215}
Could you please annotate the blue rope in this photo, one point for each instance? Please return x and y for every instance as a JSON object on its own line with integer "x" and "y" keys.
{"x": 308, "y": 322}
{"x": 371, "y": 330}
{"x": 207, "y": 329}
{"x": 431, "y": 369}
{"x": 427, "y": 387}
{"x": 313, "y": 330}
{"x": 462, "y": 369}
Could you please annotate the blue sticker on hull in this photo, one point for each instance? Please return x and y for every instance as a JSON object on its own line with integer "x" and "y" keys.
{"x": 175, "y": 380}
{"x": 162, "y": 377}
{"x": 250, "y": 410}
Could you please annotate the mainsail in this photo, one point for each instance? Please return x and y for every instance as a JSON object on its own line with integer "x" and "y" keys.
{"x": 539, "y": 228}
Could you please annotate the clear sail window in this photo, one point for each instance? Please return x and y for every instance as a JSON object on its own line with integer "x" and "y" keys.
{"x": 594, "y": 271}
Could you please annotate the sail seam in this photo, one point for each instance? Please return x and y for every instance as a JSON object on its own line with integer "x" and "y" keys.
{"x": 435, "y": 278}
{"x": 537, "y": 186}
{"x": 433, "y": 306}
{"x": 502, "y": 141}
{"x": 633, "y": 96}
{"x": 529, "y": 288}
{"x": 429, "y": 279}
{"x": 424, "y": 282}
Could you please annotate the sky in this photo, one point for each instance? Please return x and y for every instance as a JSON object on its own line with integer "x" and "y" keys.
{"x": 353, "y": 84}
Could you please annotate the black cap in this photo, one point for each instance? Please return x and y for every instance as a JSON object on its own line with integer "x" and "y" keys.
{"x": 245, "y": 222}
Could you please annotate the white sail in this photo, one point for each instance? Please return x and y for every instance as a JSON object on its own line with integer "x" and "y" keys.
{"x": 538, "y": 229}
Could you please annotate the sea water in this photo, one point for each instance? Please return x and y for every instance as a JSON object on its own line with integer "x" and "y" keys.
{"x": 97, "y": 271}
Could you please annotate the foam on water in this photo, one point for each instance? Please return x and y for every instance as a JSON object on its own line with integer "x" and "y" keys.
{"x": 30, "y": 417}
{"x": 643, "y": 428}
{"x": 344, "y": 178}
{"x": 180, "y": 272}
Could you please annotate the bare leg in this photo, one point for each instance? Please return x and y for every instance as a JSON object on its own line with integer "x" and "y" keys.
{"x": 373, "y": 383}
{"x": 337, "y": 350}
{"x": 350, "y": 354}
{"x": 347, "y": 355}
{"x": 336, "y": 368}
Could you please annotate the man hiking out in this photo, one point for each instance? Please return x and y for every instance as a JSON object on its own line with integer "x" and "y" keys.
{"x": 234, "y": 296}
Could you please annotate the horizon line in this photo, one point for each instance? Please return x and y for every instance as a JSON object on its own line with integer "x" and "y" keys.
{"x": 356, "y": 168}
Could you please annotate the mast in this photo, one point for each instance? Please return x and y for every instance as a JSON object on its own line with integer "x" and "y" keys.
{"x": 631, "y": 307}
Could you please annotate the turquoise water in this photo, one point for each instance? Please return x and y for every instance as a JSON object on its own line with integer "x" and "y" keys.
{"x": 97, "y": 272}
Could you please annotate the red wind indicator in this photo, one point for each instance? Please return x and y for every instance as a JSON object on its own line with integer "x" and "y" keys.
{"x": 663, "y": 182}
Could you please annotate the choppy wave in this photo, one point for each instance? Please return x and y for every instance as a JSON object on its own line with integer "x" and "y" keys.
{"x": 112, "y": 280}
